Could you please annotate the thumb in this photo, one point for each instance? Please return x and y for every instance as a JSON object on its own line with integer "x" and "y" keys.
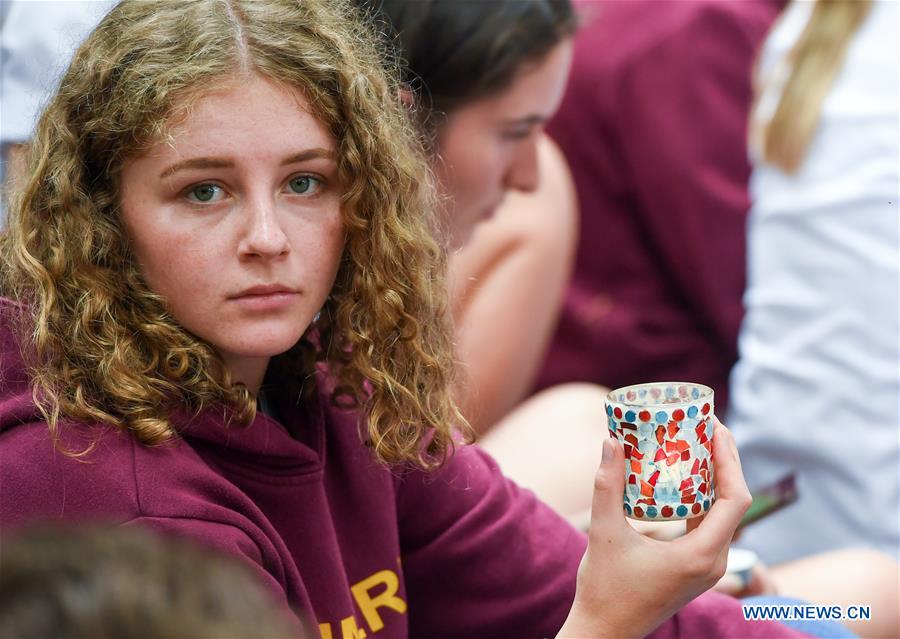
{"x": 609, "y": 487}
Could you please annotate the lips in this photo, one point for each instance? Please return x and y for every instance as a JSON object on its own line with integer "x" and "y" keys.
{"x": 263, "y": 290}
{"x": 266, "y": 298}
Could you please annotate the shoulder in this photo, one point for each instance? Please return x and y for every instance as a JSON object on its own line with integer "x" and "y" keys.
{"x": 96, "y": 472}
{"x": 45, "y": 480}
{"x": 168, "y": 487}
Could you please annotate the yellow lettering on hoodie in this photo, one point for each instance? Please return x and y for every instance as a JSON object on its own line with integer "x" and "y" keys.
{"x": 349, "y": 630}
{"x": 388, "y": 598}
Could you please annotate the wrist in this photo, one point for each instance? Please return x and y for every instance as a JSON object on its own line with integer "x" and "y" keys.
{"x": 584, "y": 625}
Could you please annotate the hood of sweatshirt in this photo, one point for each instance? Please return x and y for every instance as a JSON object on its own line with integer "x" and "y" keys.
{"x": 264, "y": 442}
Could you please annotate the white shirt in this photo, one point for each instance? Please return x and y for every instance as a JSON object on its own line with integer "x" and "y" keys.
{"x": 37, "y": 41}
{"x": 817, "y": 386}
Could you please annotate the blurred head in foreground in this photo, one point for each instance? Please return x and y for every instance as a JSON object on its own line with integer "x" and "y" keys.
{"x": 124, "y": 583}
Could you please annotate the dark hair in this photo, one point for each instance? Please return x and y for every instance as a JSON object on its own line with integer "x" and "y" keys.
{"x": 456, "y": 51}
{"x": 102, "y": 582}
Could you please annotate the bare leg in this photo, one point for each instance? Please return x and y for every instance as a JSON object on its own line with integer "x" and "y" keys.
{"x": 551, "y": 445}
{"x": 847, "y": 578}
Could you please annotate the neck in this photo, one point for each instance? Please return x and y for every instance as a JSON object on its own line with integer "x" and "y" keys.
{"x": 248, "y": 371}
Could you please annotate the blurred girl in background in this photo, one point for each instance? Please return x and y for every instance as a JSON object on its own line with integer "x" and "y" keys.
{"x": 817, "y": 387}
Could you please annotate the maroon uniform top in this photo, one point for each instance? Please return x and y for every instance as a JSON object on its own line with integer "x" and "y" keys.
{"x": 357, "y": 548}
{"x": 654, "y": 125}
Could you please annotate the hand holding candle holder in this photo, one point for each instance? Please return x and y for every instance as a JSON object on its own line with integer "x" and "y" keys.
{"x": 666, "y": 429}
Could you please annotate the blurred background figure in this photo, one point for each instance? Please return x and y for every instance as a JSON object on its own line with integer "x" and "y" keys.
{"x": 817, "y": 387}
{"x": 483, "y": 79}
{"x": 37, "y": 40}
{"x": 654, "y": 128}
{"x": 129, "y": 583}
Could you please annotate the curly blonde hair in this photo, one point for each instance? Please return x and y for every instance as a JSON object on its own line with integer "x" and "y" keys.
{"x": 101, "y": 346}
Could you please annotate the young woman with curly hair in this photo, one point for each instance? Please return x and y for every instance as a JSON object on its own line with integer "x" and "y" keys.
{"x": 225, "y": 318}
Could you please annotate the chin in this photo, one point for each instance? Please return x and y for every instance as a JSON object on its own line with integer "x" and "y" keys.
{"x": 262, "y": 343}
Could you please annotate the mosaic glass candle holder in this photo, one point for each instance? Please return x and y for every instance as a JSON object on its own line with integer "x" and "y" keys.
{"x": 666, "y": 429}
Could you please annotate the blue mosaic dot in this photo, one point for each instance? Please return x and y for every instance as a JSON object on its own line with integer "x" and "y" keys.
{"x": 629, "y": 416}
{"x": 695, "y": 393}
{"x": 609, "y": 410}
{"x": 692, "y": 411}
{"x": 706, "y": 505}
{"x": 661, "y": 417}
{"x": 627, "y": 509}
{"x": 681, "y": 511}
{"x": 670, "y": 391}
{"x": 612, "y": 423}
{"x": 651, "y": 511}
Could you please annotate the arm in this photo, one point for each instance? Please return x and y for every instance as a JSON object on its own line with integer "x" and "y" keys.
{"x": 507, "y": 285}
{"x": 483, "y": 558}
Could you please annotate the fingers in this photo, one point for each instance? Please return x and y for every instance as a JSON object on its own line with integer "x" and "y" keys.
{"x": 732, "y": 496}
{"x": 609, "y": 486}
{"x": 729, "y": 478}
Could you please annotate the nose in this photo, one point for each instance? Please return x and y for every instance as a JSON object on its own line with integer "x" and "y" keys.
{"x": 263, "y": 235}
{"x": 523, "y": 171}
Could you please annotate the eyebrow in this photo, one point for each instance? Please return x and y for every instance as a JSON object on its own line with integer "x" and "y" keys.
{"x": 530, "y": 120}
{"x": 222, "y": 163}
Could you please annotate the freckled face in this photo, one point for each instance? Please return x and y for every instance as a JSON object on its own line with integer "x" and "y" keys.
{"x": 236, "y": 220}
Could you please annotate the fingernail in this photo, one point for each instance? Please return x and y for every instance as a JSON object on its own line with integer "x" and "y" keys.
{"x": 608, "y": 452}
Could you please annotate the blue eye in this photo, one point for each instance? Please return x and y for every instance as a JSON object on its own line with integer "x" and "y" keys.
{"x": 205, "y": 193}
{"x": 304, "y": 184}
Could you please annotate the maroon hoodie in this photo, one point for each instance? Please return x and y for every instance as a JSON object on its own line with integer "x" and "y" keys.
{"x": 348, "y": 542}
